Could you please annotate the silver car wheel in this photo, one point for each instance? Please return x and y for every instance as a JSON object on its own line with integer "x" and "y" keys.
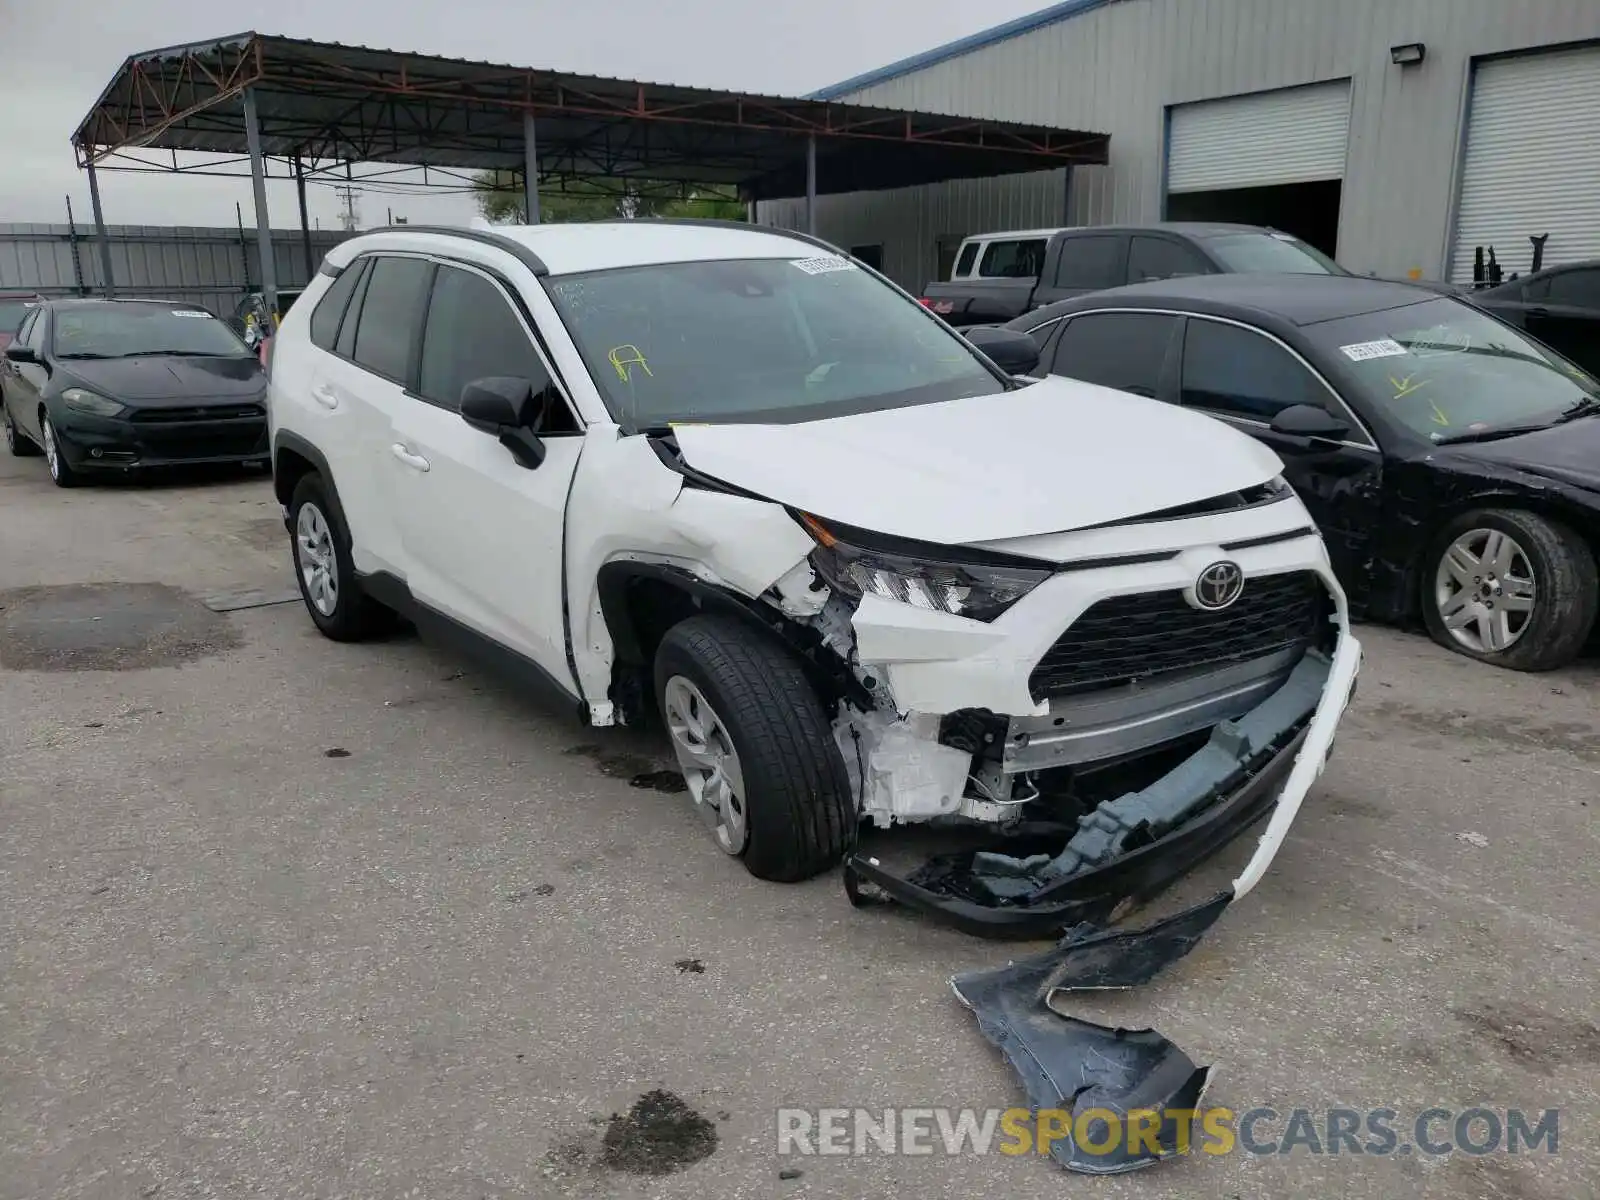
{"x": 52, "y": 456}
{"x": 314, "y": 554}
{"x": 709, "y": 762}
{"x": 1485, "y": 591}
{"x": 11, "y": 427}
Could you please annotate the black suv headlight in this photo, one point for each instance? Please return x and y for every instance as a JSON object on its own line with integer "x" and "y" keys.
{"x": 941, "y": 578}
{"x": 83, "y": 400}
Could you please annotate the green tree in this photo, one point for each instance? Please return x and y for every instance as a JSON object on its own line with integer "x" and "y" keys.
{"x": 499, "y": 195}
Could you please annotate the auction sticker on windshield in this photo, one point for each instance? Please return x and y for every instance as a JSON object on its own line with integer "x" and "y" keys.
{"x": 189, "y": 312}
{"x": 1367, "y": 351}
{"x": 821, "y": 266}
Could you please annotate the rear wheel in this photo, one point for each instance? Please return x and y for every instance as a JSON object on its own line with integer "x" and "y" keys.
{"x": 756, "y": 748}
{"x": 1511, "y": 588}
{"x": 323, "y": 569}
{"x": 16, "y": 441}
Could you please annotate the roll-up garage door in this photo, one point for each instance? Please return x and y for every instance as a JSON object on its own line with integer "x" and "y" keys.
{"x": 1295, "y": 135}
{"x": 1532, "y": 162}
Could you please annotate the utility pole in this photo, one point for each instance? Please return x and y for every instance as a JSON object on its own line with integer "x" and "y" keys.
{"x": 350, "y": 218}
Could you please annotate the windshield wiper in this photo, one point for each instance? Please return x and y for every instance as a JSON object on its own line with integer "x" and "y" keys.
{"x": 1586, "y": 407}
{"x": 1490, "y": 435}
{"x": 88, "y": 354}
{"x": 181, "y": 354}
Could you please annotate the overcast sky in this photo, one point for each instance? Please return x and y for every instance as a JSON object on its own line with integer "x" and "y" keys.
{"x": 57, "y": 55}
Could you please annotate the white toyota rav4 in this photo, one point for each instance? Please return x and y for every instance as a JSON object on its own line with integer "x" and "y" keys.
{"x": 729, "y": 476}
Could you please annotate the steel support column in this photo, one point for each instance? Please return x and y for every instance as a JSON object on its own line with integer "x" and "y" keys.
{"x": 107, "y": 284}
{"x": 305, "y": 220}
{"x": 258, "y": 183}
{"x": 1066, "y": 195}
{"x": 530, "y": 168}
{"x": 811, "y": 185}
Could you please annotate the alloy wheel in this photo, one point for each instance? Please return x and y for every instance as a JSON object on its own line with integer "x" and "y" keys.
{"x": 709, "y": 762}
{"x": 1485, "y": 590}
{"x": 314, "y": 553}
{"x": 11, "y": 428}
{"x": 52, "y": 455}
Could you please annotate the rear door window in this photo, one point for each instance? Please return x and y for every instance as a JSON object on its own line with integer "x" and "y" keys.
{"x": 1579, "y": 289}
{"x": 969, "y": 255}
{"x": 1093, "y": 261}
{"x": 330, "y": 310}
{"x": 391, "y": 315}
{"x": 1123, "y": 350}
{"x": 1012, "y": 259}
{"x": 1162, "y": 258}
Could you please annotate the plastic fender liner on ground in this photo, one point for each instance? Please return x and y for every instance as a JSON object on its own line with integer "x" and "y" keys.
{"x": 1075, "y": 1067}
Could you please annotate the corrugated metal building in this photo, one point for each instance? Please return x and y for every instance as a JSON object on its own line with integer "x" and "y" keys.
{"x": 211, "y": 267}
{"x": 1305, "y": 114}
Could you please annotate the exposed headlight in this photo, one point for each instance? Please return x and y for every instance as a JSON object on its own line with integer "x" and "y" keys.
{"x": 924, "y": 577}
{"x": 84, "y": 401}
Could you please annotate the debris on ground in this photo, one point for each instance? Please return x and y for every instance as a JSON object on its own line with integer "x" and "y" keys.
{"x": 1472, "y": 839}
{"x": 690, "y": 966}
{"x": 660, "y": 1134}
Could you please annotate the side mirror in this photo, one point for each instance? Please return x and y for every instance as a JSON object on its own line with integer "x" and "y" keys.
{"x": 21, "y": 354}
{"x": 1310, "y": 421}
{"x": 503, "y": 405}
{"x": 1013, "y": 352}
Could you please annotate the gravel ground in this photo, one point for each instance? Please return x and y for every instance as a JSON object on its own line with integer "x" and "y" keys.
{"x": 287, "y": 918}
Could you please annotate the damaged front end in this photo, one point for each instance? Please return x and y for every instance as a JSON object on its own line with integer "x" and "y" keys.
{"x": 1103, "y": 761}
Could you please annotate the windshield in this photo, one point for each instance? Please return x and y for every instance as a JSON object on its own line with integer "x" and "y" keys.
{"x": 759, "y": 340}
{"x": 128, "y": 330}
{"x": 11, "y": 314}
{"x": 1444, "y": 369}
{"x": 1270, "y": 253}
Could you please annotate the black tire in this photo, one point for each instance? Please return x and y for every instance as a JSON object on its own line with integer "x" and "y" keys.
{"x": 62, "y": 473}
{"x": 17, "y": 441}
{"x": 1566, "y": 582}
{"x": 355, "y": 616}
{"x": 799, "y": 810}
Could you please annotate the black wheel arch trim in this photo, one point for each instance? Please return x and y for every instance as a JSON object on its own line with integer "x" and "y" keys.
{"x": 826, "y": 670}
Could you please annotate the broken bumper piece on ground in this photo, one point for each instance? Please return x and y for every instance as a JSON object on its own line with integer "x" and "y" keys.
{"x": 1084, "y": 1071}
{"x": 1026, "y": 884}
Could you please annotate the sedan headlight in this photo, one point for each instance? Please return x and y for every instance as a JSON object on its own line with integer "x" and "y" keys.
{"x": 84, "y": 401}
{"x": 931, "y": 577}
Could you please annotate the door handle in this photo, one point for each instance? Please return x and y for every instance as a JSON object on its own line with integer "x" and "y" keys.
{"x": 415, "y": 461}
{"x": 325, "y": 396}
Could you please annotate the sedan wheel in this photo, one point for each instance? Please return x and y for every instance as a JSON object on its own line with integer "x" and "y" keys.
{"x": 708, "y": 760}
{"x": 60, "y": 469}
{"x": 1486, "y": 591}
{"x": 1511, "y": 587}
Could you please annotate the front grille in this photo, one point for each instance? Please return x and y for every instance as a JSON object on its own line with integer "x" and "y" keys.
{"x": 1134, "y": 637}
{"x": 211, "y": 412}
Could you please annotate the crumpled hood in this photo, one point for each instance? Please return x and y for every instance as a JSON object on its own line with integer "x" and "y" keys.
{"x": 150, "y": 380}
{"x": 1569, "y": 453}
{"x": 1053, "y": 456}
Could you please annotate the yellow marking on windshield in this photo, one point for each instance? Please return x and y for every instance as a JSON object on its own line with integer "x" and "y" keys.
{"x": 1404, "y": 387}
{"x": 1439, "y": 417}
{"x": 625, "y": 356}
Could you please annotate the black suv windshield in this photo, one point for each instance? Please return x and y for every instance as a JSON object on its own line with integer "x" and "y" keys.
{"x": 759, "y": 340}
{"x": 127, "y": 330}
{"x": 1270, "y": 253}
{"x": 1448, "y": 371}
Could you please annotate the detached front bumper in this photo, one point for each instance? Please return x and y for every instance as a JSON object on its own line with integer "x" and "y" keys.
{"x": 952, "y": 891}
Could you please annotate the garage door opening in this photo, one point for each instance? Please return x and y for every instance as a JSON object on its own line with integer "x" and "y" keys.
{"x": 1267, "y": 158}
{"x": 1310, "y": 211}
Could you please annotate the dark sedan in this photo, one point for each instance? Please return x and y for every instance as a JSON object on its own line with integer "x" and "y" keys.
{"x": 1452, "y": 462}
{"x": 119, "y": 385}
{"x": 1559, "y": 305}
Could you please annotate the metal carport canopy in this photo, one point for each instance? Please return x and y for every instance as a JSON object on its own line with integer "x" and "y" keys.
{"x": 322, "y": 105}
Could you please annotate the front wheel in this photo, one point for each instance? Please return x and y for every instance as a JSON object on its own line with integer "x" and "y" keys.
{"x": 61, "y": 472}
{"x": 1511, "y": 588}
{"x": 756, "y": 748}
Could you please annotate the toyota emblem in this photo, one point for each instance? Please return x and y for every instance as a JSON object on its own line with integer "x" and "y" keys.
{"x": 1218, "y": 586}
